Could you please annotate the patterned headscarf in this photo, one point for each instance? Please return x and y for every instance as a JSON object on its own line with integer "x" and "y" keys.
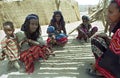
{"x": 29, "y": 17}
{"x": 25, "y": 27}
{"x": 118, "y": 2}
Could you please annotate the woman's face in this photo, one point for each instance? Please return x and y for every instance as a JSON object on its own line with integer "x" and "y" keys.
{"x": 57, "y": 17}
{"x": 113, "y": 13}
{"x": 33, "y": 25}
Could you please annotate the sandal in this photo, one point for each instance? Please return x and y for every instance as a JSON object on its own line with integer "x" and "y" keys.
{"x": 94, "y": 72}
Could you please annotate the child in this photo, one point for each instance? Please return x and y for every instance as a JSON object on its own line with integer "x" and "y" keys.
{"x": 55, "y": 38}
{"x": 9, "y": 45}
{"x": 51, "y": 35}
{"x": 84, "y": 29}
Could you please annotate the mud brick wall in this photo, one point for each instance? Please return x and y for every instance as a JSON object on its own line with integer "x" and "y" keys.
{"x": 17, "y": 11}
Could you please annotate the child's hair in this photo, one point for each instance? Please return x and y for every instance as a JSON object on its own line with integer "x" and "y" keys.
{"x": 84, "y": 17}
{"x": 25, "y": 27}
{"x": 8, "y": 23}
{"x": 117, "y": 2}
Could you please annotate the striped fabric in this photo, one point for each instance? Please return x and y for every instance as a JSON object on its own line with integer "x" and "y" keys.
{"x": 103, "y": 71}
{"x": 115, "y": 42}
{"x": 29, "y": 56}
{"x": 10, "y": 48}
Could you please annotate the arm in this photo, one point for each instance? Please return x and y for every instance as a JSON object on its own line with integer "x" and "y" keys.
{"x": 33, "y": 42}
{"x": 3, "y": 50}
{"x": 90, "y": 26}
{"x": 64, "y": 30}
{"x": 21, "y": 42}
{"x": 39, "y": 42}
{"x": 105, "y": 37}
{"x": 78, "y": 28}
{"x": 2, "y": 55}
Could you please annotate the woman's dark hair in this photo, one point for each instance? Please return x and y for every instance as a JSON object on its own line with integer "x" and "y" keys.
{"x": 53, "y": 20}
{"x": 114, "y": 1}
{"x": 26, "y": 24}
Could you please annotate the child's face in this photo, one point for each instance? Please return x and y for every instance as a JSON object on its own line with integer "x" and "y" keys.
{"x": 57, "y": 17}
{"x": 33, "y": 25}
{"x": 85, "y": 22}
{"x": 8, "y": 30}
{"x": 113, "y": 13}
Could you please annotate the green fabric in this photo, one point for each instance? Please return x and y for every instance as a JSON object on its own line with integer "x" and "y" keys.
{"x": 21, "y": 36}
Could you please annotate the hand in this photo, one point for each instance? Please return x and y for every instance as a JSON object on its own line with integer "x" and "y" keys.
{"x": 21, "y": 42}
{"x": 66, "y": 35}
{"x": 53, "y": 36}
{"x": 2, "y": 56}
{"x": 105, "y": 37}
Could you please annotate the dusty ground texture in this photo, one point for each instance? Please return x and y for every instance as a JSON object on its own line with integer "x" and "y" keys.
{"x": 70, "y": 61}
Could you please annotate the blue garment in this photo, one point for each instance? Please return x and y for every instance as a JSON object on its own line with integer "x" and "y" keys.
{"x": 51, "y": 29}
{"x": 59, "y": 36}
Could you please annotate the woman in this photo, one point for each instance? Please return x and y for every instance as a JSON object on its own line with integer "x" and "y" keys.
{"x": 106, "y": 50}
{"x": 31, "y": 43}
{"x": 58, "y": 25}
{"x": 85, "y": 29}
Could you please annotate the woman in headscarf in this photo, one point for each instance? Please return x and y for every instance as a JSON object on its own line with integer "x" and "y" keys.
{"x": 31, "y": 43}
{"x": 58, "y": 36}
{"x": 107, "y": 50}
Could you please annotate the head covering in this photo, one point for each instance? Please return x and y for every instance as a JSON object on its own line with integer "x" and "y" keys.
{"x": 51, "y": 29}
{"x": 118, "y": 2}
{"x": 84, "y": 17}
{"x": 57, "y": 12}
{"x": 29, "y": 17}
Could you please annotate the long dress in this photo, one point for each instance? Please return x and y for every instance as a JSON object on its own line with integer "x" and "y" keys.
{"x": 107, "y": 56}
{"x": 31, "y": 53}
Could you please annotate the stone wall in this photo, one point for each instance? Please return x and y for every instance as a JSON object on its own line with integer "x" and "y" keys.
{"x": 17, "y": 11}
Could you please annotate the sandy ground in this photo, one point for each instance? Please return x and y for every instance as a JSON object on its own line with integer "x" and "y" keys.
{"x": 81, "y": 68}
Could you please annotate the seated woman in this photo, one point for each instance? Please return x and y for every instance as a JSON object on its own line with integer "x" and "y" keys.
{"x": 32, "y": 46}
{"x": 58, "y": 34}
{"x": 85, "y": 29}
{"x": 107, "y": 50}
